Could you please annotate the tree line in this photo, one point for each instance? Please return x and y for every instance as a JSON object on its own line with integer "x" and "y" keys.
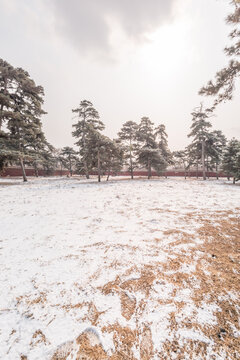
{"x": 142, "y": 144}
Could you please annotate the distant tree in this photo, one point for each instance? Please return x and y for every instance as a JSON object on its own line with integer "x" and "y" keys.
{"x": 60, "y": 160}
{"x": 231, "y": 160}
{"x": 194, "y": 154}
{"x": 147, "y": 146}
{"x": 180, "y": 159}
{"x": 69, "y": 157}
{"x": 48, "y": 162}
{"x": 113, "y": 157}
{"x": 214, "y": 149}
{"x": 161, "y": 137}
{"x": 148, "y": 153}
{"x": 98, "y": 145}
{"x": 200, "y": 133}
{"x": 88, "y": 120}
{"x": 127, "y": 136}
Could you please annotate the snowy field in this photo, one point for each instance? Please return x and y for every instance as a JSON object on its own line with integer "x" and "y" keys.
{"x": 151, "y": 267}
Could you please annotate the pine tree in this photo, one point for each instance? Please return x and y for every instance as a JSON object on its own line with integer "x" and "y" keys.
{"x": 69, "y": 156}
{"x": 20, "y": 113}
{"x": 127, "y": 136}
{"x": 194, "y": 152}
{"x": 200, "y": 133}
{"x": 161, "y": 136}
{"x": 98, "y": 147}
{"x": 180, "y": 159}
{"x": 8, "y": 82}
{"x": 88, "y": 120}
{"x": 214, "y": 149}
{"x": 148, "y": 152}
{"x": 231, "y": 160}
{"x": 224, "y": 84}
{"x": 113, "y": 157}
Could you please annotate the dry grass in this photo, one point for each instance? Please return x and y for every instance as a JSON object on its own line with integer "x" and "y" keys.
{"x": 213, "y": 280}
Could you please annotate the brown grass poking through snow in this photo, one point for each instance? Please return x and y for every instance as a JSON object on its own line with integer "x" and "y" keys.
{"x": 213, "y": 280}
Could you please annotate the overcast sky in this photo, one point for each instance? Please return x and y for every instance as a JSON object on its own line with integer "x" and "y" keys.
{"x": 130, "y": 58}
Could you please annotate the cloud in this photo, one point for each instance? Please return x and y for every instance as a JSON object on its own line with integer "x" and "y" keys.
{"x": 85, "y": 23}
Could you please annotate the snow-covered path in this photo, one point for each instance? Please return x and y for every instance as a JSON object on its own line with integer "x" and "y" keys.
{"x": 126, "y": 258}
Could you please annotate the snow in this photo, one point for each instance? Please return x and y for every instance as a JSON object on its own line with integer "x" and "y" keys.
{"x": 62, "y": 240}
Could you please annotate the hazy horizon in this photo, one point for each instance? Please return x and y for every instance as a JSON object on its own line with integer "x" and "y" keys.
{"x": 128, "y": 58}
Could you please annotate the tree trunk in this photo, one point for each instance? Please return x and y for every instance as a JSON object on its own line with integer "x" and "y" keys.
{"x": 207, "y": 168}
{"x": 216, "y": 171}
{"x": 87, "y": 173}
{"x": 23, "y": 169}
{"x": 131, "y": 163}
{"x": 108, "y": 175}
{"x": 61, "y": 170}
{"x": 197, "y": 169}
{"x": 1, "y": 110}
{"x": 99, "y": 166}
{"x": 203, "y": 160}
{"x": 149, "y": 169}
{"x": 70, "y": 163}
{"x": 185, "y": 170}
{"x": 36, "y": 170}
{"x": 234, "y": 180}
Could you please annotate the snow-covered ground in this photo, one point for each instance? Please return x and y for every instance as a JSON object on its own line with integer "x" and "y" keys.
{"x": 144, "y": 263}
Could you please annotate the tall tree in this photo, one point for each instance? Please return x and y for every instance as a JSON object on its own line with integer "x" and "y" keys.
{"x": 88, "y": 120}
{"x": 200, "y": 132}
{"x": 147, "y": 146}
{"x": 127, "y": 136}
{"x": 20, "y": 112}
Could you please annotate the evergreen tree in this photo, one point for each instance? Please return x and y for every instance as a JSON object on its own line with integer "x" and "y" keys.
{"x": 98, "y": 147}
{"x": 224, "y": 84}
{"x": 214, "y": 149}
{"x": 194, "y": 154}
{"x": 180, "y": 159}
{"x": 113, "y": 157}
{"x": 60, "y": 160}
{"x": 200, "y": 133}
{"x": 8, "y": 82}
{"x": 88, "y": 121}
{"x": 148, "y": 153}
{"x": 20, "y": 113}
{"x": 161, "y": 136}
{"x": 69, "y": 157}
{"x": 231, "y": 160}
{"x": 127, "y": 136}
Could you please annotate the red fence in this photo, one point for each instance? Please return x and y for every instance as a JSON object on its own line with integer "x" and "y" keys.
{"x": 169, "y": 173}
{"x": 15, "y": 171}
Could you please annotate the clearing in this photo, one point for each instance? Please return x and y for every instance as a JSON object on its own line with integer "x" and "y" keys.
{"x": 151, "y": 267}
